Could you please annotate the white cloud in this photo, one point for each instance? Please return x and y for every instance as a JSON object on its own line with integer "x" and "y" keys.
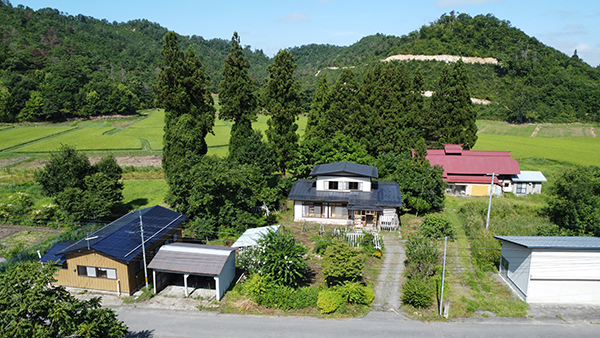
{"x": 342, "y": 33}
{"x": 456, "y": 3}
{"x": 583, "y": 47}
{"x": 295, "y": 17}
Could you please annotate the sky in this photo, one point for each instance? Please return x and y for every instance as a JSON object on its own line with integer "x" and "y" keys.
{"x": 271, "y": 25}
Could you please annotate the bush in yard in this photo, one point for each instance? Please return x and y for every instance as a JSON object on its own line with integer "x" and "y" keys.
{"x": 356, "y": 293}
{"x": 423, "y": 253}
{"x": 437, "y": 226}
{"x": 341, "y": 263}
{"x": 329, "y": 301}
{"x": 486, "y": 251}
{"x": 417, "y": 292}
{"x": 264, "y": 291}
{"x": 278, "y": 255}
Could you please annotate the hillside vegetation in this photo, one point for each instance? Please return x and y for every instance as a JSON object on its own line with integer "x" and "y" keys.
{"x": 54, "y": 66}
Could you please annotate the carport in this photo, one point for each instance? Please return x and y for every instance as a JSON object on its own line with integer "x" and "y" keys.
{"x": 194, "y": 259}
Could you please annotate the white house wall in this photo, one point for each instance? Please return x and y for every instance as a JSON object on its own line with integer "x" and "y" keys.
{"x": 519, "y": 259}
{"x": 322, "y": 182}
{"x": 565, "y": 276}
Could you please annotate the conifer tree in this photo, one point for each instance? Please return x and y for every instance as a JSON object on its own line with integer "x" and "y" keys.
{"x": 183, "y": 91}
{"x": 237, "y": 97}
{"x": 451, "y": 117}
{"x": 318, "y": 108}
{"x": 283, "y": 103}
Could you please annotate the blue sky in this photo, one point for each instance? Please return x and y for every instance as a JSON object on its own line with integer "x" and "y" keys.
{"x": 272, "y": 25}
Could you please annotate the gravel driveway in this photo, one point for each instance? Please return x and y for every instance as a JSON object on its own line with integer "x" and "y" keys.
{"x": 387, "y": 290}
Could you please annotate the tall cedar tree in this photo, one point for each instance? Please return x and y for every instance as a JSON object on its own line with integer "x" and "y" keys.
{"x": 283, "y": 103}
{"x": 237, "y": 97}
{"x": 345, "y": 112}
{"x": 317, "y": 111}
{"x": 386, "y": 89}
{"x": 183, "y": 91}
{"x": 451, "y": 117}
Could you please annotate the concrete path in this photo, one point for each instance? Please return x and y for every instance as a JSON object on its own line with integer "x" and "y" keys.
{"x": 387, "y": 289}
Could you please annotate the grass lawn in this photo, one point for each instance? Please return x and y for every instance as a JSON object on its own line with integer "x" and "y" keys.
{"x": 144, "y": 193}
{"x": 11, "y": 137}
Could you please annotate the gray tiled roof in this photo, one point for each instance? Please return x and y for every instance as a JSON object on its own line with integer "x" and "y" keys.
{"x": 564, "y": 242}
{"x": 382, "y": 194}
{"x": 345, "y": 169}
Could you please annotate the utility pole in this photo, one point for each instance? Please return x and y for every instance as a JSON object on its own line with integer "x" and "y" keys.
{"x": 443, "y": 275}
{"x": 487, "y": 222}
{"x": 144, "y": 250}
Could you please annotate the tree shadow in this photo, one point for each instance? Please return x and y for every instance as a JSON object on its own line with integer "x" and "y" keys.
{"x": 140, "y": 334}
{"x": 122, "y": 208}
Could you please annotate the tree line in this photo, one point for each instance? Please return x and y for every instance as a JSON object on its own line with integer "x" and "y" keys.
{"x": 55, "y": 66}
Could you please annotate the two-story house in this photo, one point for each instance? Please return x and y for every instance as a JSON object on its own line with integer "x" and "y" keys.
{"x": 345, "y": 193}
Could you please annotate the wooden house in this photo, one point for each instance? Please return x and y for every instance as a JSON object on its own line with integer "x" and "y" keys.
{"x": 110, "y": 259}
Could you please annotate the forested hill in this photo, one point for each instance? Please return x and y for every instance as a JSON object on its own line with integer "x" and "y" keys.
{"x": 54, "y": 66}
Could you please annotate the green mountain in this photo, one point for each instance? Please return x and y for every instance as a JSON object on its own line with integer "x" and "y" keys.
{"x": 54, "y": 66}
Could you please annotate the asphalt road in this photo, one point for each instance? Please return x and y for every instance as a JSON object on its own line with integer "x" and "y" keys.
{"x": 159, "y": 323}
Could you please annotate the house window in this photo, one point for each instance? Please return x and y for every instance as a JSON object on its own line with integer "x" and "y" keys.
{"x": 313, "y": 210}
{"x": 354, "y": 185}
{"x": 339, "y": 210}
{"x": 91, "y": 271}
{"x": 521, "y": 188}
{"x": 174, "y": 237}
{"x": 333, "y": 185}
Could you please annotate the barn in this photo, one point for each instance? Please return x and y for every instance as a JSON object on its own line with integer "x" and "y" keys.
{"x": 559, "y": 270}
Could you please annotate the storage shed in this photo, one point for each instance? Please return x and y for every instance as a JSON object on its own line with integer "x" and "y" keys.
{"x": 194, "y": 259}
{"x": 552, "y": 269}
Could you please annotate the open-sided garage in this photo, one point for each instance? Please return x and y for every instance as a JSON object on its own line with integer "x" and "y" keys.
{"x": 192, "y": 263}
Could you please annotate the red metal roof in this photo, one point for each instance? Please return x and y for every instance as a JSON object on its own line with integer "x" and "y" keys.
{"x": 473, "y": 162}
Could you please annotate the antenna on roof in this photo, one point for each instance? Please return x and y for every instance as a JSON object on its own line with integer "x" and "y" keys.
{"x": 143, "y": 250}
{"x": 87, "y": 239}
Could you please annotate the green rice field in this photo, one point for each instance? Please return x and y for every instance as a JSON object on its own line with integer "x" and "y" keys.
{"x": 11, "y": 137}
{"x": 573, "y": 143}
{"x": 133, "y": 134}
{"x": 154, "y": 192}
{"x": 580, "y": 150}
{"x": 91, "y": 138}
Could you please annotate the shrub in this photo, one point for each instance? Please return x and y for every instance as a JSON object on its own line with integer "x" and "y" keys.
{"x": 417, "y": 292}
{"x": 356, "y": 293}
{"x": 342, "y": 262}
{"x": 437, "y": 226}
{"x": 485, "y": 251}
{"x": 329, "y": 301}
{"x": 421, "y": 250}
{"x": 278, "y": 255}
{"x": 264, "y": 291}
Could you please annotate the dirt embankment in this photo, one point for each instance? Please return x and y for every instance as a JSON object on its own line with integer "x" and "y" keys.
{"x": 441, "y": 58}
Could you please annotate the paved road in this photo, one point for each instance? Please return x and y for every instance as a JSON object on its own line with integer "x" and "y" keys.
{"x": 159, "y": 323}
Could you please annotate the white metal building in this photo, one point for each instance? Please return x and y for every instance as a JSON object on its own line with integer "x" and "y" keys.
{"x": 552, "y": 269}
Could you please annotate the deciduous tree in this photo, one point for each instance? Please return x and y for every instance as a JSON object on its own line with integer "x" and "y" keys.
{"x": 31, "y": 307}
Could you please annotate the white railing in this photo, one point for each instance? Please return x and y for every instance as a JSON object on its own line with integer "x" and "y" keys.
{"x": 388, "y": 222}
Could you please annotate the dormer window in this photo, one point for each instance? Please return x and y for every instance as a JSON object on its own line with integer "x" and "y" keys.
{"x": 333, "y": 185}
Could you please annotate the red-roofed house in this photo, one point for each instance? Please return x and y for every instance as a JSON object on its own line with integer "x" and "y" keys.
{"x": 469, "y": 172}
